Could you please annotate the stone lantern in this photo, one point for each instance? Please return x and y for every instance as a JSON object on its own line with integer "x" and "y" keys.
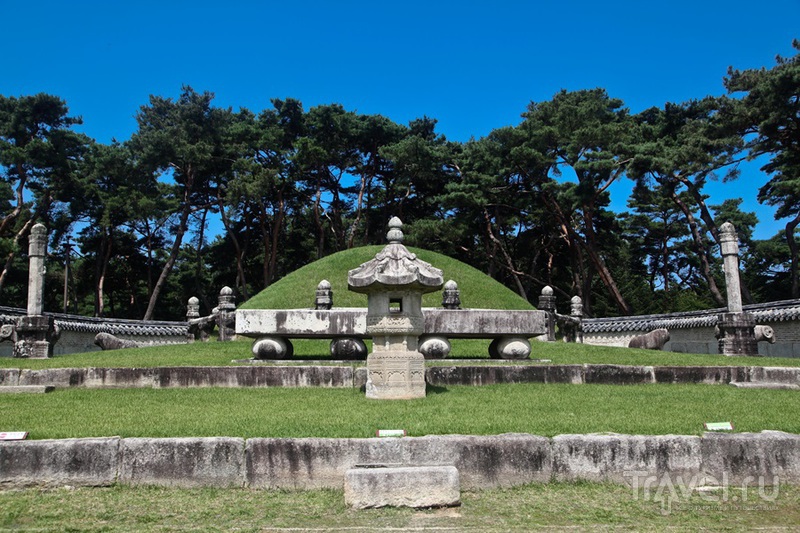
{"x": 394, "y": 282}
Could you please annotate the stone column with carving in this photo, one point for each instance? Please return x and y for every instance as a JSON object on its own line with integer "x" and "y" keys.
{"x": 36, "y": 331}
{"x": 736, "y": 328}
{"x": 394, "y": 282}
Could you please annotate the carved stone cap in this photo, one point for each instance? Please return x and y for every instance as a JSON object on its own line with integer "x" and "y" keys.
{"x": 395, "y": 267}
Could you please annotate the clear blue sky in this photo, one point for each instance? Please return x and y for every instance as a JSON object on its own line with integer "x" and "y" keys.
{"x": 474, "y": 66}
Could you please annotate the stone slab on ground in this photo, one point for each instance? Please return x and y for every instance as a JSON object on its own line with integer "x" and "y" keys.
{"x": 405, "y": 486}
{"x": 26, "y": 389}
{"x": 764, "y": 385}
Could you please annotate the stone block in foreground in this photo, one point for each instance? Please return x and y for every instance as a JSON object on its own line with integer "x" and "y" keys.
{"x": 405, "y": 486}
{"x": 82, "y": 462}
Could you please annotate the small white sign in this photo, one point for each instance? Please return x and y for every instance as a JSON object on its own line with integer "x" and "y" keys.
{"x": 390, "y": 433}
{"x": 13, "y": 435}
{"x": 718, "y": 426}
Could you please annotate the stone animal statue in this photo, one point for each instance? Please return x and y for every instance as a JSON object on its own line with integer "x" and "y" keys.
{"x": 764, "y": 334}
{"x": 107, "y": 341}
{"x": 655, "y": 340}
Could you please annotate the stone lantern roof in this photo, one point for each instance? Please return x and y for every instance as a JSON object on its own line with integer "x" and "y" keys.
{"x": 395, "y": 267}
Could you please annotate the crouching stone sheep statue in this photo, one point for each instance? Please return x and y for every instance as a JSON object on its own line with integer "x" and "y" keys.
{"x": 107, "y": 341}
{"x": 655, "y": 340}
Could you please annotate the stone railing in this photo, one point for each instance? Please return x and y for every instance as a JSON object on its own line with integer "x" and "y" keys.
{"x": 694, "y": 331}
{"x": 273, "y": 329}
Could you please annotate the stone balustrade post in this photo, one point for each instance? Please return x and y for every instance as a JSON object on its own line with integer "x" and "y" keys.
{"x": 226, "y": 315}
{"x": 547, "y": 303}
{"x": 451, "y": 295}
{"x": 324, "y": 296}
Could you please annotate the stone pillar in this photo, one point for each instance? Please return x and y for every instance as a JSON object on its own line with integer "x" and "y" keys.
{"x": 736, "y": 328}
{"x": 37, "y": 245}
{"x": 35, "y": 331}
{"x": 547, "y": 303}
{"x": 394, "y": 281}
{"x": 729, "y": 246}
{"x": 226, "y": 317}
{"x": 324, "y": 296}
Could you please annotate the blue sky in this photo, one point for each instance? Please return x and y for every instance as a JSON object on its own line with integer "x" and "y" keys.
{"x": 474, "y": 66}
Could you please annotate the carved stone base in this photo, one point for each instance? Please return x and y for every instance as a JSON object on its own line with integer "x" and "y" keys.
{"x": 737, "y": 334}
{"x": 395, "y": 375}
{"x": 33, "y": 337}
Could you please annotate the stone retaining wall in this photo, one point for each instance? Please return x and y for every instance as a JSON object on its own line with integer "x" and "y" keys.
{"x": 188, "y": 376}
{"x": 482, "y": 461}
{"x": 352, "y": 376}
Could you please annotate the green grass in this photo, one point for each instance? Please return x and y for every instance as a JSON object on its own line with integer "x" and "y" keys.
{"x": 317, "y": 352}
{"x": 539, "y": 409}
{"x": 296, "y": 290}
{"x": 579, "y": 506}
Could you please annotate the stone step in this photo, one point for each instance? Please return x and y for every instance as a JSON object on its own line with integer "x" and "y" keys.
{"x": 375, "y": 486}
{"x": 26, "y": 389}
{"x": 764, "y": 385}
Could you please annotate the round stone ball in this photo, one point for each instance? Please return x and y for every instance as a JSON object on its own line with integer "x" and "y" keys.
{"x": 434, "y": 347}
{"x": 510, "y": 348}
{"x": 272, "y": 348}
{"x": 348, "y": 348}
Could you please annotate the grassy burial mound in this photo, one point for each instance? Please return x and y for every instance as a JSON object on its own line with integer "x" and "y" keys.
{"x": 296, "y": 290}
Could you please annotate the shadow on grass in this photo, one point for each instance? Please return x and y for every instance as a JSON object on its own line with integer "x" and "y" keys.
{"x": 435, "y": 389}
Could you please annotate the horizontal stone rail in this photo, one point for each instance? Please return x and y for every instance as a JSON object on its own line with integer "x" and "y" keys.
{"x": 351, "y": 376}
{"x": 281, "y": 325}
{"x": 352, "y": 322}
{"x": 765, "y": 458}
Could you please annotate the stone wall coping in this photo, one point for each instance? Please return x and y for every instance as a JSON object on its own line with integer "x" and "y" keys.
{"x": 767, "y": 312}
{"x": 114, "y": 326}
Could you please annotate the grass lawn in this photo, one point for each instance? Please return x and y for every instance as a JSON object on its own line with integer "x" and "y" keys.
{"x": 539, "y": 409}
{"x": 317, "y": 352}
{"x": 578, "y": 506}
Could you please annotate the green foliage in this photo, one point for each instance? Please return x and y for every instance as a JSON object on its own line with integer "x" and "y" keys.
{"x": 465, "y": 410}
{"x": 769, "y": 114}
